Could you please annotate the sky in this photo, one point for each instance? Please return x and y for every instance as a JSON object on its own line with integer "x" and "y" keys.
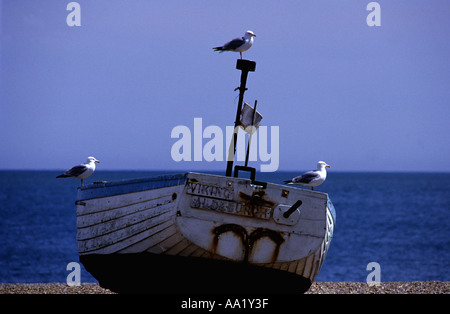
{"x": 360, "y": 97}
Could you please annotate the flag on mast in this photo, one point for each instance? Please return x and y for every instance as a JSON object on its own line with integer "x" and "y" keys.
{"x": 250, "y": 119}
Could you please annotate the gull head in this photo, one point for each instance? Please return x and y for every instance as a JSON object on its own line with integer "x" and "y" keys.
{"x": 92, "y": 159}
{"x": 322, "y": 165}
{"x": 249, "y": 34}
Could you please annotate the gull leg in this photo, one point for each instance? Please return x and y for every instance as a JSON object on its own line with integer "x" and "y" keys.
{"x": 312, "y": 188}
{"x": 82, "y": 182}
{"x": 241, "y": 54}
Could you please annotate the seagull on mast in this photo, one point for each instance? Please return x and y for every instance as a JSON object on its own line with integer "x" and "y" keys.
{"x": 81, "y": 171}
{"x": 311, "y": 178}
{"x": 238, "y": 44}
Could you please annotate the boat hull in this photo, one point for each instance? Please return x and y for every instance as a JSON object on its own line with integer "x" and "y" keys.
{"x": 158, "y": 273}
{"x": 205, "y": 233}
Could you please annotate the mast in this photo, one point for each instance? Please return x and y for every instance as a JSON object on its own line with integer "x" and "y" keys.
{"x": 245, "y": 66}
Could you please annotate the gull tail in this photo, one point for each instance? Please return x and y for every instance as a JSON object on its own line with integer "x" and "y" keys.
{"x": 219, "y": 49}
{"x": 288, "y": 181}
{"x": 63, "y": 176}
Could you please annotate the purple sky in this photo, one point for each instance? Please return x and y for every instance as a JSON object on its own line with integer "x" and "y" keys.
{"x": 360, "y": 98}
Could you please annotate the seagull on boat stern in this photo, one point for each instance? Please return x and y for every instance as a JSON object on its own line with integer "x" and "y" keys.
{"x": 238, "y": 44}
{"x": 311, "y": 178}
{"x": 81, "y": 171}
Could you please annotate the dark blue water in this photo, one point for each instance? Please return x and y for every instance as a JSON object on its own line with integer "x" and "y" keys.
{"x": 399, "y": 220}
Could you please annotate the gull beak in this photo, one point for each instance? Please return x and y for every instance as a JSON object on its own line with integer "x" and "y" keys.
{"x": 97, "y": 161}
{"x": 253, "y": 35}
{"x": 328, "y": 166}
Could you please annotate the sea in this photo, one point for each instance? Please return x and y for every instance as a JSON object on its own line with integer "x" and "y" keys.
{"x": 398, "y": 222}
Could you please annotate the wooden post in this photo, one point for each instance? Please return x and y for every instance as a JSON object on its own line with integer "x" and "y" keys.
{"x": 245, "y": 66}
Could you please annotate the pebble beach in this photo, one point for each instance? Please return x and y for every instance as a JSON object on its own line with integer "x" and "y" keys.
{"x": 414, "y": 287}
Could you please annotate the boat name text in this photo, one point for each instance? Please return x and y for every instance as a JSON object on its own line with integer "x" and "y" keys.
{"x": 209, "y": 190}
{"x": 228, "y": 207}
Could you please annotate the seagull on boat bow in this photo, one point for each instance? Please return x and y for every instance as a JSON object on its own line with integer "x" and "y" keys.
{"x": 81, "y": 171}
{"x": 238, "y": 44}
{"x": 311, "y": 178}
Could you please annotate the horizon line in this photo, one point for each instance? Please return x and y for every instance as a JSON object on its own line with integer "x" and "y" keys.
{"x": 215, "y": 171}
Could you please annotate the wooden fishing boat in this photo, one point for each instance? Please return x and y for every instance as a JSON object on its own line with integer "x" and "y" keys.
{"x": 197, "y": 232}
{"x": 172, "y": 232}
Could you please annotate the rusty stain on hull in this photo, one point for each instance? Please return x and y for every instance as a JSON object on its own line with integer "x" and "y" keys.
{"x": 248, "y": 240}
{"x": 272, "y": 235}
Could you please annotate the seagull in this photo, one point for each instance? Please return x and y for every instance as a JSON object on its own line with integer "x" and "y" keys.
{"x": 311, "y": 178}
{"x": 81, "y": 171}
{"x": 238, "y": 44}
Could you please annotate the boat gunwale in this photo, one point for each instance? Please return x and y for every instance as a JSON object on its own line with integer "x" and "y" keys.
{"x": 118, "y": 187}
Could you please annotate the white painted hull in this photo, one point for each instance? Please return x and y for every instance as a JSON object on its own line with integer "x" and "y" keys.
{"x": 206, "y": 217}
